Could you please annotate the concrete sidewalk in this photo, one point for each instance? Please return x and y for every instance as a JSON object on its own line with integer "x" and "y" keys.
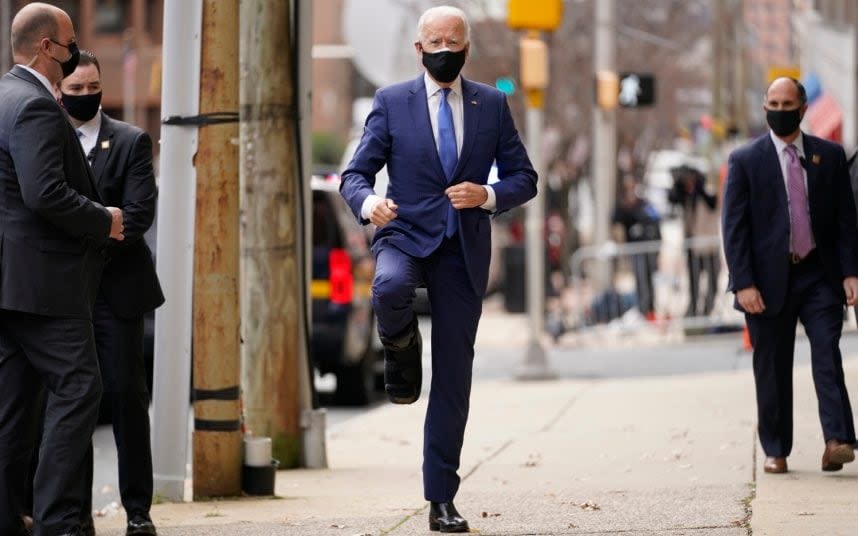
{"x": 673, "y": 455}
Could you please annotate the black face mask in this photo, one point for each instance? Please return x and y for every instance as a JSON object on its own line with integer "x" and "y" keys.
{"x": 82, "y": 107}
{"x": 444, "y": 66}
{"x": 783, "y": 122}
{"x": 70, "y": 64}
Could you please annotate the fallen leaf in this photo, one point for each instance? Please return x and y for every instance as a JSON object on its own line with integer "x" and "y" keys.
{"x": 533, "y": 460}
{"x": 589, "y": 506}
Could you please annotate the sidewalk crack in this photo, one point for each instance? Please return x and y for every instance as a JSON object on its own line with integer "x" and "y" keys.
{"x": 494, "y": 454}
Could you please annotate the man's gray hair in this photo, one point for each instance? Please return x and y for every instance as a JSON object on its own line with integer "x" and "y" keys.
{"x": 443, "y": 11}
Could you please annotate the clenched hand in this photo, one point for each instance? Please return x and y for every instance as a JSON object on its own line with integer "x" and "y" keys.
{"x": 466, "y": 195}
{"x": 383, "y": 212}
{"x": 116, "y": 226}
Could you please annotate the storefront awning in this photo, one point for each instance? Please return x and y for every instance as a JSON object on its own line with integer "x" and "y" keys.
{"x": 825, "y": 118}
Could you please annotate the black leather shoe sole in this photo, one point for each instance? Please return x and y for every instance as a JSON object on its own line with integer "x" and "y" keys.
{"x": 434, "y": 526}
{"x": 141, "y": 530}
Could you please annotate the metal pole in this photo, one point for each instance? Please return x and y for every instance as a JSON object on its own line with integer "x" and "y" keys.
{"x": 535, "y": 366}
{"x": 604, "y": 136}
{"x": 718, "y": 60}
{"x": 312, "y": 419}
{"x": 175, "y": 250}
{"x": 129, "y": 77}
{"x": 740, "y": 97}
{"x": 5, "y": 31}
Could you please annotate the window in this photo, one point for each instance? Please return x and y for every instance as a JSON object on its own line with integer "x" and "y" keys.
{"x": 112, "y": 16}
{"x": 72, "y": 7}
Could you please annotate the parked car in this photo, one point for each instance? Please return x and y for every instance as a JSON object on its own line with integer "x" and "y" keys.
{"x": 344, "y": 340}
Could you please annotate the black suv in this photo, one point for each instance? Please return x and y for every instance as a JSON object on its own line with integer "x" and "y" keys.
{"x": 343, "y": 340}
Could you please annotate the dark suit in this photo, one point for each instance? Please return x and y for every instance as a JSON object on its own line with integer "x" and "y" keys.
{"x": 52, "y": 233}
{"x": 412, "y": 249}
{"x": 756, "y": 230}
{"x": 122, "y": 165}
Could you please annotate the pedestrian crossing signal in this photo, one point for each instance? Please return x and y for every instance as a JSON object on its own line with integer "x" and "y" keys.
{"x": 636, "y": 90}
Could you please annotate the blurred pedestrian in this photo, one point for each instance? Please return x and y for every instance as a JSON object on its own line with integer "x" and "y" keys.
{"x": 438, "y": 135}
{"x": 699, "y": 221}
{"x": 53, "y": 232}
{"x": 792, "y": 251}
{"x": 641, "y": 223}
{"x": 121, "y": 159}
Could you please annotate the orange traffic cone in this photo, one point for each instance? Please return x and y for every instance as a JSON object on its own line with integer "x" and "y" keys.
{"x": 746, "y": 339}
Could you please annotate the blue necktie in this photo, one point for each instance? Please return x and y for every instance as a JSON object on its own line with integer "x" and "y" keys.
{"x": 448, "y": 153}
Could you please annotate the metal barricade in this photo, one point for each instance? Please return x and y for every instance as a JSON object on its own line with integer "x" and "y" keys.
{"x": 672, "y": 280}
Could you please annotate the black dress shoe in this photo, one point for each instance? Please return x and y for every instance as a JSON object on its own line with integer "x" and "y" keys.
{"x": 403, "y": 367}
{"x": 140, "y": 524}
{"x": 87, "y": 527}
{"x": 445, "y": 518}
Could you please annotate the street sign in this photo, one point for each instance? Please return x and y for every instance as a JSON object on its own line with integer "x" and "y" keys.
{"x": 636, "y": 90}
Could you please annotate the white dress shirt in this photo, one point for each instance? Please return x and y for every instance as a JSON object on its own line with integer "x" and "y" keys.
{"x": 454, "y": 99}
{"x": 780, "y": 147}
{"x": 88, "y": 133}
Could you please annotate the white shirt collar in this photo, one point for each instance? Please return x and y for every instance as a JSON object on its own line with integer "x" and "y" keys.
{"x": 90, "y": 128}
{"x": 780, "y": 144}
{"x": 42, "y": 78}
{"x": 432, "y": 86}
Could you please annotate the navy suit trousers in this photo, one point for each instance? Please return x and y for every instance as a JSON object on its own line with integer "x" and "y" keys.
{"x": 456, "y": 311}
{"x": 811, "y": 299}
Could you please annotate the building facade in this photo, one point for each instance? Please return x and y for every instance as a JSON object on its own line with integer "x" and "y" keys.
{"x": 825, "y": 34}
{"x": 126, "y": 37}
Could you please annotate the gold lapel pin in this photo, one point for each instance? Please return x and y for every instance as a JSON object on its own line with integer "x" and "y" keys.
{"x": 815, "y": 159}
{"x": 105, "y": 144}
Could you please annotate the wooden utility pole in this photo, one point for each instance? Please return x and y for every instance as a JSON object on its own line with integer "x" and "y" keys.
{"x": 272, "y": 274}
{"x": 217, "y": 435}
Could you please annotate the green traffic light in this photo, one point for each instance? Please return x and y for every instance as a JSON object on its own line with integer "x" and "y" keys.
{"x": 506, "y": 85}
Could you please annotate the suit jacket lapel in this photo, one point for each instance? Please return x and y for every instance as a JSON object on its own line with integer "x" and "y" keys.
{"x": 102, "y": 148}
{"x": 471, "y": 109}
{"x": 771, "y": 161}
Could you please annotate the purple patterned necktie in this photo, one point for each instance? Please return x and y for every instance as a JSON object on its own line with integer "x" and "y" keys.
{"x": 799, "y": 219}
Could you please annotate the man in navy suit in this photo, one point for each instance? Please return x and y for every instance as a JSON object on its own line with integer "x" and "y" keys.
{"x": 439, "y": 135}
{"x": 121, "y": 159}
{"x": 53, "y": 229}
{"x": 792, "y": 251}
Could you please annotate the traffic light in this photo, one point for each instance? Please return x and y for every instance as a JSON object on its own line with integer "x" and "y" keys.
{"x": 607, "y": 89}
{"x": 506, "y": 85}
{"x": 533, "y": 62}
{"x": 534, "y": 14}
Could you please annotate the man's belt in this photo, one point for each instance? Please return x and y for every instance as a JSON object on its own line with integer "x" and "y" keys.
{"x": 794, "y": 258}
